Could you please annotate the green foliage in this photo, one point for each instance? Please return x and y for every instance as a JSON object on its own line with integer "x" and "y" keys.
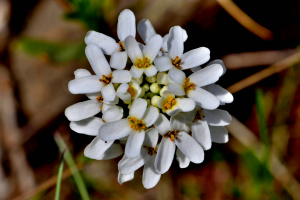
{"x": 89, "y": 12}
{"x": 54, "y": 52}
{"x": 59, "y": 176}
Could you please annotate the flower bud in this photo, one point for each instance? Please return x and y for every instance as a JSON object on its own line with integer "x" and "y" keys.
{"x": 155, "y": 88}
{"x": 154, "y": 100}
{"x": 148, "y": 102}
{"x": 150, "y": 95}
{"x": 146, "y": 87}
{"x": 151, "y": 79}
{"x": 142, "y": 93}
{"x": 139, "y": 80}
{"x": 162, "y": 78}
{"x": 162, "y": 90}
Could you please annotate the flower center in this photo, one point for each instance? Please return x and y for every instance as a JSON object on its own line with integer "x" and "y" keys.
{"x": 100, "y": 99}
{"x": 106, "y": 79}
{"x": 136, "y": 124}
{"x": 122, "y": 47}
{"x": 176, "y": 62}
{"x": 130, "y": 90}
{"x": 171, "y": 135}
{"x": 188, "y": 85}
{"x": 199, "y": 115}
{"x": 151, "y": 150}
{"x": 143, "y": 63}
{"x": 170, "y": 103}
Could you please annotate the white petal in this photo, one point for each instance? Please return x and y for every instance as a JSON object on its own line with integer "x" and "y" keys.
{"x": 150, "y": 176}
{"x": 152, "y": 47}
{"x": 129, "y": 165}
{"x": 136, "y": 72}
{"x": 150, "y": 116}
{"x": 115, "y": 150}
{"x": 138, "y": 108}
{"x": 163, "y": 63}
{"x": 207, "y": 75}
{"x": 151, "y": 138}
{"x": 165, "y": 43}
{"x": 93, "y": 95}
{"x": 195, "y": 57}
{"x": 201, "y": 133}
{"x": 220, "y": 62}
{"x": 97, "y": 60}
{"x": 186, "y": 104}
{"x": 121, "y": 76}
{"x": 189, "y": 116}
{"x": 141, "y": 46}
{"x": 176, "y": 89}
{"x": 217, "y": 117}
{"x": 174, "y": 111}
{"x": 219, "y": 134}
{"x": 114, "y": 130}
{"x": 108, "y": 92}
{"x": 105, "y": 107}
{"x": 133, "y": 50}
{"x": 182, "y": 159}
{"x": 187, "y": 128}
{"x": 145, "y": 30}
{"x": 134, "y": 143}
{"x": 88, "y": 126}
{"x": 184, "y": 35}
{"x": 83, "y": 110}
{"x": 222, "y": 94}
{"x": 162, "y": 78}
{"x": 205, "y": 99}
{"x": 107, "y": 44}
{"x": 175, "y": 42}
{"x": 126, "y": 24}
{"x": 124, "y": 178}
{"x": 162, "y": 124}
{"x": 189, "y": 147}
{"x": 122, "y": 92}
{"x": 150, "y": 71}
{"x": 87, "y": 84}
{"x": 177, "y": 75}
{"x": 177, "y": 123}
{"x": 165, "y": 155}
{"x": 195, "y": 69}
{"x": 96, "y": 148}
{"x": 114, "y": 102}
{"x": 81, "y": 73}
{"x": 118, "y": 60}
{"x": 112, "y": 114}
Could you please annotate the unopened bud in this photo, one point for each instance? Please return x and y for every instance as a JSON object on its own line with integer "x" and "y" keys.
{"x": 139, "y": 80}
{"x": 162, "y": 90}
{"x": 154, "y": 100}
{"x": 151, "y": 79}
{"x": 146, "y": 87}
{"x": 142, "y": 93}
{"x": 162, "y": 78}
{"x": 150, "y": 95}
{"x": 155, "y": 88}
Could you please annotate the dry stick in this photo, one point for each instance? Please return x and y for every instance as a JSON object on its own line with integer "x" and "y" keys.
{"x": 273, "y": 69}
{"x": 12, "y": 136}
{"x": 277, "y": 169}
{"x": 49, "y": 183}
{"x": 245, "y": 20}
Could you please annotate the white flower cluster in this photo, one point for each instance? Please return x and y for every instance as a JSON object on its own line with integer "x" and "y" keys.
{"x": 149, "y": 106}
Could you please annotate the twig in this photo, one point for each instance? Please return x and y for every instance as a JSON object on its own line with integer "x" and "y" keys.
{"x": 245, "y": 20}
{"x": 277, "y": 169}
{"x": 275, "y": 68}
{"x": 24, "y": 175}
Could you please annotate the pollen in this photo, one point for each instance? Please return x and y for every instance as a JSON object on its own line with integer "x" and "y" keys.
{"x": 176, "y": 62}
{"x": 199, "y": 115}
{"x": 172, "y": 135}
{"x": 106, "y": 79}
{"x": 143, "y": 63}
{"x": 188, "y": 85}
{"x": 100, "y": 99}
{"x": 122, "y": 47}
{"x": 170, "y": 103}
{"x": 151, "y": 150}
{"x": 136, "y": 124}
{"x": 130, "y": 91}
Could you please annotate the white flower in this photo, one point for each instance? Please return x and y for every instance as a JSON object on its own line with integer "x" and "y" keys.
{"x": 126, "y": 27}
{"x": 124, "y": 178}
{"x": 147, "y": 157}
{"x": 146, "y": 31}
{"x": 104, "y": 78}
{"x": 176, "y": 58}
{"x": 191, "y": 86}
{"x": 139, "y": 119}
{"x": 142, "y": 59}
{"x": 171, "y": 105}
{"x": 130, "y": 91}
{"x": 174, "y": 134}
{"x": 89, "y": 108}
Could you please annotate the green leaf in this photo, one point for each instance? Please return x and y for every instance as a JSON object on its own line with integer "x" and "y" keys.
{"x": 71, "y": 163}
{"x": 52, "y": 51}
{"x": 59, "y": 176}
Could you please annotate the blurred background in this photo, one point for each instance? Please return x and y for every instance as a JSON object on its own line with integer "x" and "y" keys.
{"x": 42, "y": 44}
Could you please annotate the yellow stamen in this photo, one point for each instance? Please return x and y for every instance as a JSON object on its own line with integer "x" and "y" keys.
{"x": 176, "y": 62}
{"x": 106, "y": 79}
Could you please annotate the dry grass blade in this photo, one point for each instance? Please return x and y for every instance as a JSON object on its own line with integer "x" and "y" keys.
{"x": 277, "y": 169}
{"x": 275, "y": 68}
{"x": 245, "y": 20}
